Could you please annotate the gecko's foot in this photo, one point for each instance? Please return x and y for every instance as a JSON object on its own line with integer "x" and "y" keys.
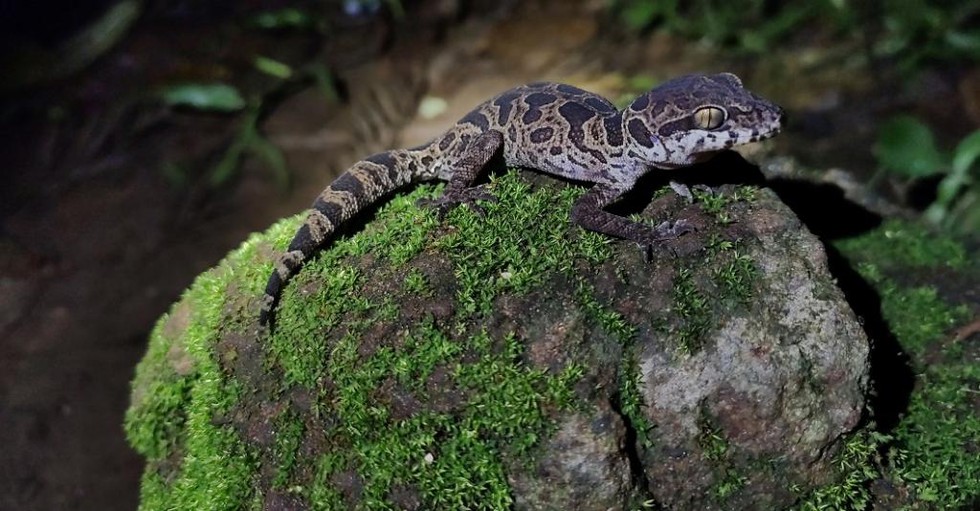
{"x": 687, "y": 192}
{"x": 665, "y": 231}
{"x": 450, "y": 199}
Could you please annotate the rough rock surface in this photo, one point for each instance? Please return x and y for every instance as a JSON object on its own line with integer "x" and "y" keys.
{"x": 510, "y": 361}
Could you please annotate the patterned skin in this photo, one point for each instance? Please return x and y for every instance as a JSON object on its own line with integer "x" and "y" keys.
{"x": 557, "y": 129}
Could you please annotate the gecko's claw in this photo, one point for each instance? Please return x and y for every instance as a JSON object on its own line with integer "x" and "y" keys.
{"x": 668, "y": 230}
{"x": 665, "y": 231}
{"x": 452, "y": 198}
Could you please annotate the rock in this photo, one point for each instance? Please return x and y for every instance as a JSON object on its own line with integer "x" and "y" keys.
{"x": 509, "y": 361}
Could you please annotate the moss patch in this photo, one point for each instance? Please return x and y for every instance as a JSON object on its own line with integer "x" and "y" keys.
{"x": 182, "y": 398}
{"x": 428, "y": 415}
{"x": 931, "y": 454}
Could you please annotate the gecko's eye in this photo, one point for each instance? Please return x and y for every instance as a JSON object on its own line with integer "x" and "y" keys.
{"x": 709, "y": 117}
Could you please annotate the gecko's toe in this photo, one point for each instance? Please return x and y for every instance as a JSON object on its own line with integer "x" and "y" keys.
{"x": 450, "y": 199}
{"x": 671, "y": 230}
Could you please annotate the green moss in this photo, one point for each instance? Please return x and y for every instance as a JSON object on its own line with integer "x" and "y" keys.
{"x": 713, "y": 444}
{"x": 416, "y": 283}
{"x": 521, "y": 239}
{"x": 631, "y": 403}
{"x": 453, "y": 459}
{"x": 729, "y": 484}
{"x": 180, "y": 395}
{"x": 898, "y": 244}
{"x": 734, "y": 273}
{"x": 856, "y": 463}
{"x": 288, "y": 433}
{"x": 716, "y": 449}
{"x": 611, "y": 321}
{"x": 931, "y": 453}
{"x": 716, "y": 202}
{"x": 401, "y": 230}
{"x": 322, "y": 495}
{"x": 629, "y": 399}
{"x": 389, "y": 431}
{"x": 935, "y": 445}
{"x": 916, "y": 315}
{"x": 693, "y": 310}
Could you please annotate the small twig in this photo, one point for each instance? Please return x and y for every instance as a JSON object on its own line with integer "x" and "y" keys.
{"x": 967, "y": 330}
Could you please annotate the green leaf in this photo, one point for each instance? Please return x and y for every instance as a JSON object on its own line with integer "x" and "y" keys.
{"x": 966, "y": 153}
{"x": 273, "y": 157}
{"x": 283, "y": 18}
{"x": 218, "y": 97}
{"x": 906, "y": 146}
{"x": 638, "y": 15}
{"x": 273, "y": 67}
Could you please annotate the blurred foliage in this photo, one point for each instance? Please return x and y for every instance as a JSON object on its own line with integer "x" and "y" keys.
{"x": 753, "y": 26}
{"x": 906, "y": 148}
{"x": 226, "y": 98}
{"x": 920, "y": 30}
{"x": 217, "y": 97}
{"x": 908, "y": 31}
{"x": 27, "y": 63}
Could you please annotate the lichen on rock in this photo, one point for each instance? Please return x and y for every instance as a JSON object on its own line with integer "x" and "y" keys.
{"x": 509, "y": 361}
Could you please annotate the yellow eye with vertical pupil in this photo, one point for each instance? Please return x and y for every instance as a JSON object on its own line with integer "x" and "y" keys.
{"x": 709, "y": 117}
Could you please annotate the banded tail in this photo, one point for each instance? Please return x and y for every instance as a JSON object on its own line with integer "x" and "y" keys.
{"x": 360, "y": 186}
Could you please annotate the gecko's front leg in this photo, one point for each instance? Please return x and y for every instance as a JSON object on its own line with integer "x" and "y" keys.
{"x": 588, "y": 212}
{"x": 460, "y": 189}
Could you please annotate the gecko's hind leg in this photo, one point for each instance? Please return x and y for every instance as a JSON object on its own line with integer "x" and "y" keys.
{"x": 460, "y": 189}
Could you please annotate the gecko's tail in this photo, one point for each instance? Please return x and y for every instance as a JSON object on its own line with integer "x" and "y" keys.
{"x": 358, "y": 187}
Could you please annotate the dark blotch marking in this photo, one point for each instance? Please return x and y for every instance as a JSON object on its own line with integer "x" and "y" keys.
{"x": 539, "y": 99}
{"x": 639, "y": 132}
{"x": 531, "y": 116}
{"x": 682, "y": 124}
{"x": 571, "y": 91}
{"x": 348, "y": 183}
{"x": 386, "y": 159}
{"x": 427, "y": 161}
{"x": 640, "y": 103}
{"x": 393, "y": 171}
{"x": 476, "y": 118}
{"x": 512, "y": 133}
{"x": 555, "y": 150}
{"x": 576, "y": 115}
{"x": 535, "y": 102}
{"x": 600, "y": 104}
{"x": 446, "y": 140}
{"x": 504, "y": 104}
{"x": 302, "y": 241}
{"x": 331, "y": 210}
{"x": 614, "y": 130}
{"x": 577, "y": 163}
{"x": 542, "y": 135}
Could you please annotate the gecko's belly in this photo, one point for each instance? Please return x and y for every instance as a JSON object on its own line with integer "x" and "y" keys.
{"x": 555, "y": 160}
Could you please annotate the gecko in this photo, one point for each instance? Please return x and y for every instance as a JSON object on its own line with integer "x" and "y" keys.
{"x": 557, "y": 129}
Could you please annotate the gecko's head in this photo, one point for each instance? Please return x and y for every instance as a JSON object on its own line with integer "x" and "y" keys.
{"x": 689, "y": 118}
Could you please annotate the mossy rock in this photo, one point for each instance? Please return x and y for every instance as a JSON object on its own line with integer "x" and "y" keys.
{"x": 508, "y": 361}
